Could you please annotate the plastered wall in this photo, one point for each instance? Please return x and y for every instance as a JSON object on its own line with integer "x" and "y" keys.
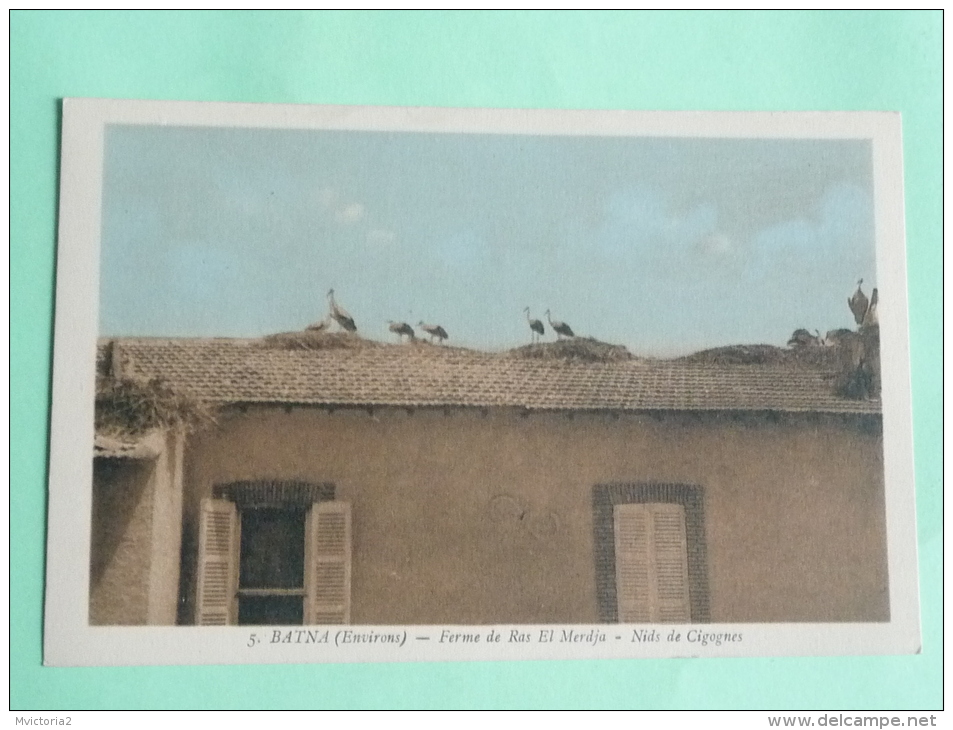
{"x": 121, "y": 541}
{"x": 136, "y": 536}
{"x": 469, "y": 517}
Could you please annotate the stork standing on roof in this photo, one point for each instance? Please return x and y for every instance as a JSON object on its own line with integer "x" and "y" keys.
{"x": 835, "y": 337}
{"x": 339, "y": 315}
{"x": 858, "y": 304}
{"x": 400, "y": 329}
{"x": 561, "y": 328}
{"x": 535, "y": 325}
{"x": 803, "y": 338}
{"x": 319, "y": 326}
{"x": 870, "y": 317}
{"x": 434, "y": 330}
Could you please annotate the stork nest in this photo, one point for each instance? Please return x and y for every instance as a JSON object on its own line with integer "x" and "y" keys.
{"x": 317, "y": 340}
{"x": 423, "y": 345}
{"x": 579, "y": 349}
{"x": 807, "y": 356}
{"x": 132, "y": 406}
{"x": 853, "y": 361}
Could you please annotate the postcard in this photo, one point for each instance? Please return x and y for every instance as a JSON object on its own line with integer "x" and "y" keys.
{"x": 349, "y": 384}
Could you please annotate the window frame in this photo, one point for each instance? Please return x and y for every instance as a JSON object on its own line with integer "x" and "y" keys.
{"x": 237, "y": 498}
{"x": 691, "y": 497}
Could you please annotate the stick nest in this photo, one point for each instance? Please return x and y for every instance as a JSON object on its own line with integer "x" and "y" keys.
{"x": 827, "y": 358}
{"x": 132, "y": 406}
{"x": 311, "y": 340}
{"x": 578, "y": 349}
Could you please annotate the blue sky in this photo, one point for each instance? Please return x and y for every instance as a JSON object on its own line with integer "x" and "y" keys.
{"x": 665, "y": 245}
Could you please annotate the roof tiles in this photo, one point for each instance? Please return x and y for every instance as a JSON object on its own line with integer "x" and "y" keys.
{"x": 248, "y": 371}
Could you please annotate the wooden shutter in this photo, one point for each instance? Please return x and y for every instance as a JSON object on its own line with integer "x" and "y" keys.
{"x": 216, "y": 602}
{"x": 651, "y": 553}
{"x": 633, "y": 590}
{"x": 328, "y": 563}
{"x": 671, "y": 562}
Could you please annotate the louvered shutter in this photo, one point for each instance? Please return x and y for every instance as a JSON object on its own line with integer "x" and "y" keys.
{"x": 328, "y": 561}
{"x": 218, "y": 564}
{"x": 633, "y": 589}
{"x": 671, "y": 563}
{"x": 651, "y": 563}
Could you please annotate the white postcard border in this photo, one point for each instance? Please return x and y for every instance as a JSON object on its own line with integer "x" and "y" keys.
{"x": 70, "y": 641}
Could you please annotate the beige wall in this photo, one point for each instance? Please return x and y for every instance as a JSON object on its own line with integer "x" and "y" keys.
{"x": 121, "y": 534}
{"x": 136, "y": 536}
{"x": 469, "y": 517}
{"x": 166, "y": 532}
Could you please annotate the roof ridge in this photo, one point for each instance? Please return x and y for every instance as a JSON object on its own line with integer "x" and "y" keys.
{"x": 221, "y": 371}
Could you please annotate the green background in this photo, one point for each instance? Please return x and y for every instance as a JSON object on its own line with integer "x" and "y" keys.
{"x": 594, "y": 60}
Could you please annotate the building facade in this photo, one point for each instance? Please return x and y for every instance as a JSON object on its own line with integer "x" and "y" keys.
{"x": 413, "y": 484}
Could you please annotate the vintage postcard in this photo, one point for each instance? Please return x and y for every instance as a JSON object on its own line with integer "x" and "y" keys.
{"x": 339, "y": 384}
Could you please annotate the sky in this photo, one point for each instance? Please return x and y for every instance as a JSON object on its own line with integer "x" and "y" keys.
{"x": 664, "y": 245}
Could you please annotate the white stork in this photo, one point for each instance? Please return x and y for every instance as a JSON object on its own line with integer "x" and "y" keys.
{"x": 858, "y": 304}
{"x": 339, "y": 315}
{"x": 434, "y": 330}
{"x": 803, "y": 338}
{"x": 400, "y": 329}
{"x": 319, "y": 326}
{"x": 535, "y": 325}
{"x": 561, "y": 328}
{"x": 870, "y": 318}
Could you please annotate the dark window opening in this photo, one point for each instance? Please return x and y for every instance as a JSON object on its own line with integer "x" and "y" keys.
{"x": 271, "y": 566}
{"x": 271, "y": 610}
{"x": 272, "y": 551}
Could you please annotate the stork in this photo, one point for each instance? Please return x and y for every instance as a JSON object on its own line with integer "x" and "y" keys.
{"x": 870, "y": 318}
{"x": 434, "y": 330}
{"x": 339, "y": 315}
{"x": 561, "y": 328}
{"x": 803, "y": 338}
{"x": 400, "y": 329}
{"x": 858, "y": 304}
{"x": 836, "y": 337}
{"x": 535, "y": 325}
{"x": 319, "y": 326}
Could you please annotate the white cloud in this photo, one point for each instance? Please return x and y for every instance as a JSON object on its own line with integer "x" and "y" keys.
{"x": 351, "y": 213}
{"x": 640, "y": 222}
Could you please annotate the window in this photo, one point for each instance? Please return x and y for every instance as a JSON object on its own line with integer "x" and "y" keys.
{"x": 651, "y": 562}
{"x": 650, "y": 553}
{"x": 274, "y": 563}
{"x": 271, "y": 566}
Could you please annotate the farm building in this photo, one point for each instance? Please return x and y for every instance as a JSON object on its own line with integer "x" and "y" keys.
{"x": 346, "y": 481}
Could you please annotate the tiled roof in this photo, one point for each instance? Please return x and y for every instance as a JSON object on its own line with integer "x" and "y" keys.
{"x": 248, "y": 371}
